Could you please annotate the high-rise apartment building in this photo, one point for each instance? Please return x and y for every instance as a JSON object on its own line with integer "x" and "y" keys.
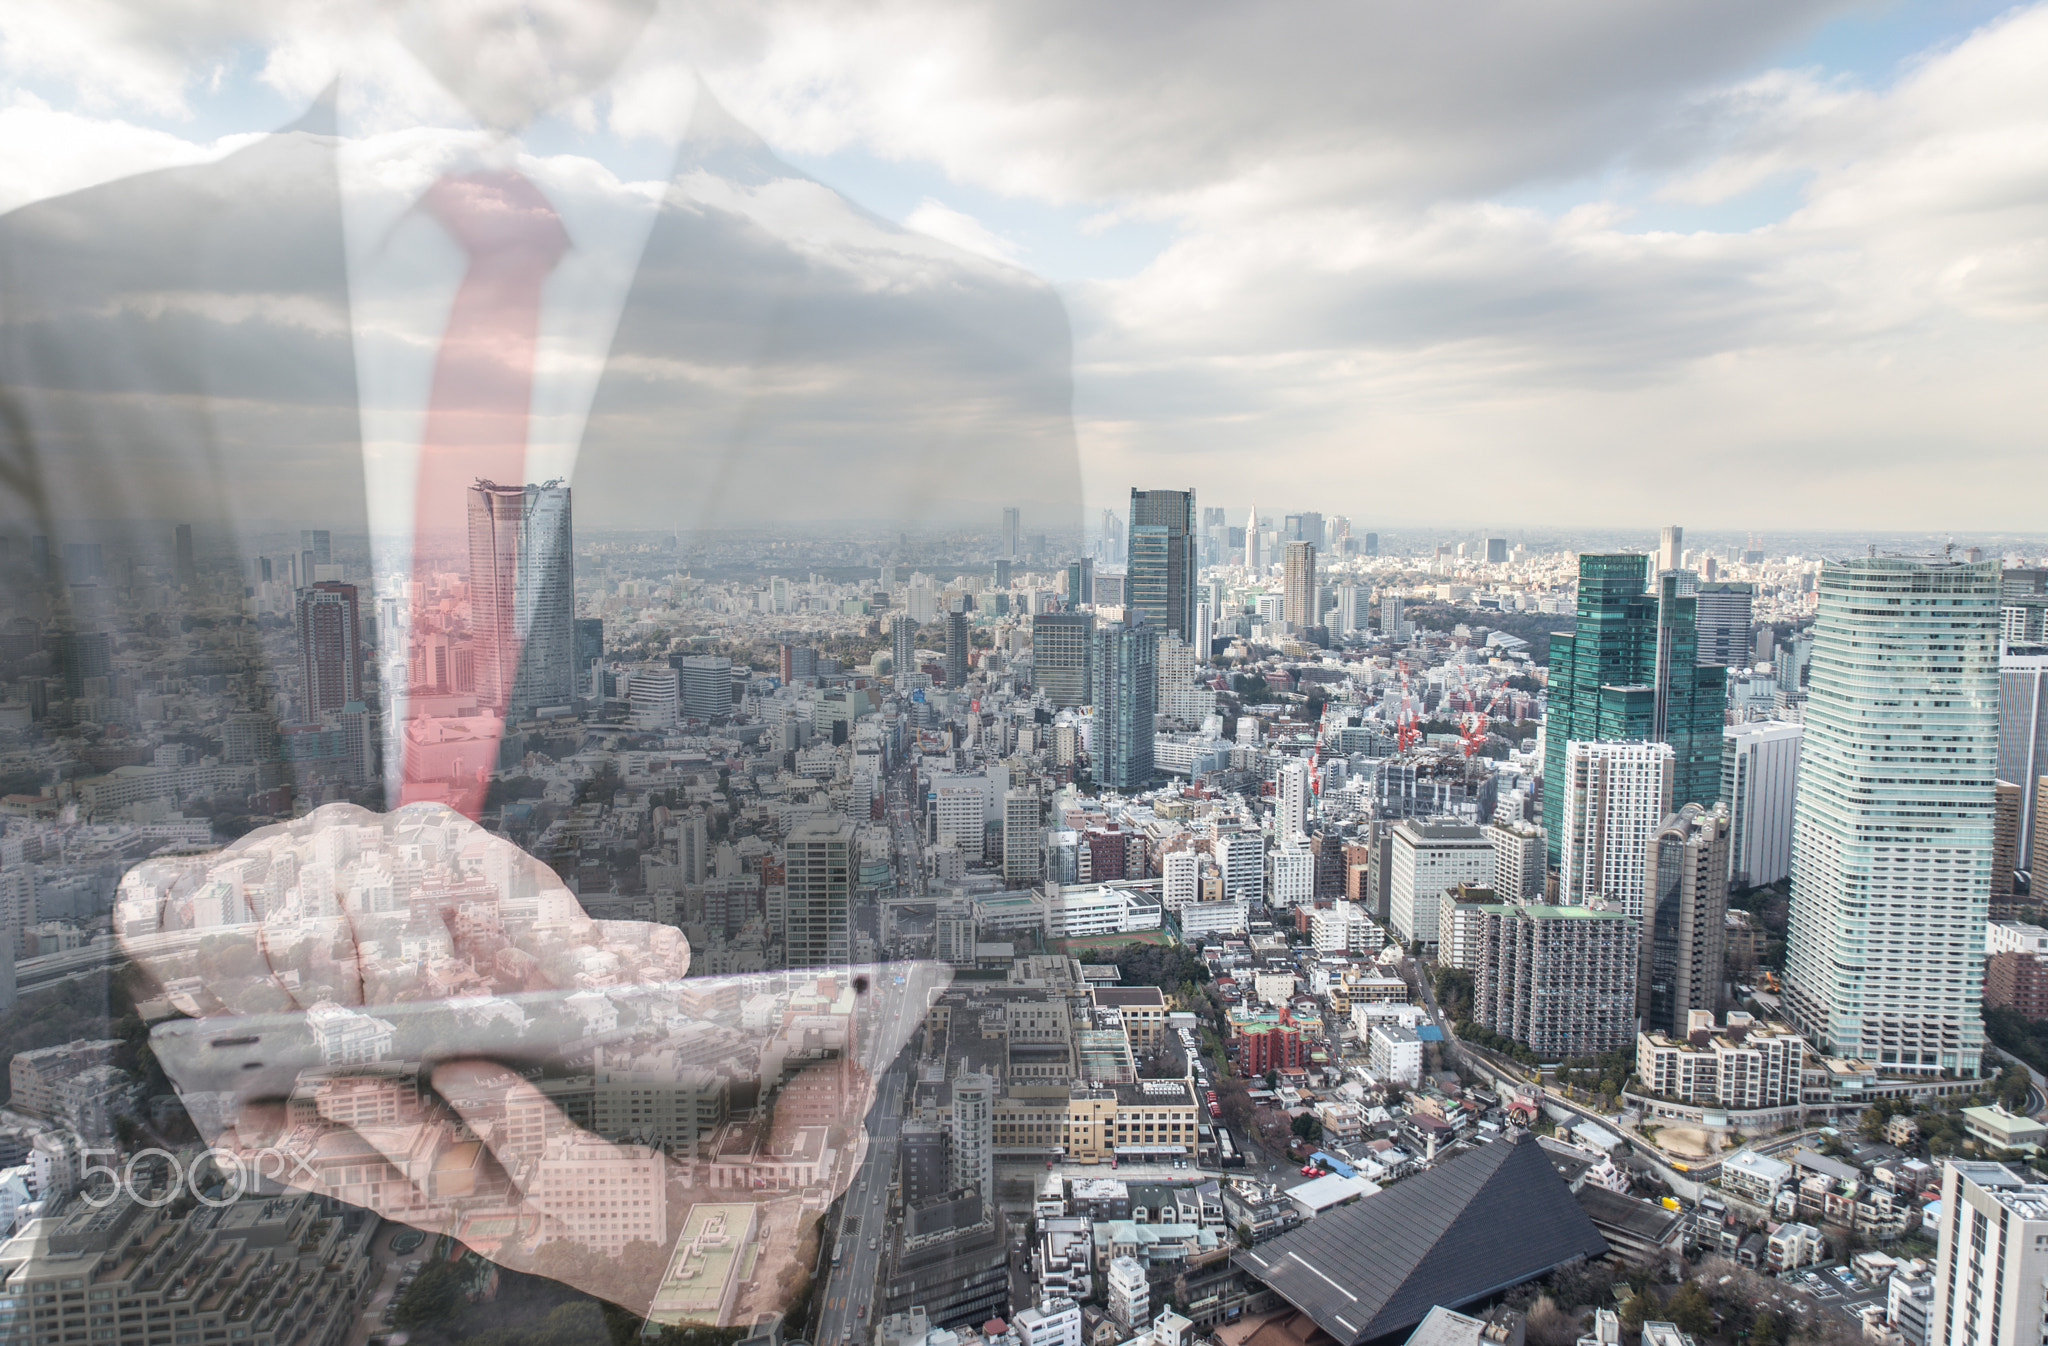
{"x": 522, "y": 595}
{"x": 818, "y": 875}
{"x": 1685, "y": 918}
{"x": 1062, "y": 645}
{"x": 705, "y": 685}
{"x": 1023, "y": 836}
{"x": 1628, "y": 670}
{"x": 1163, "y": 568}
{"x": 1517, "y": 859}
{"x": 1291, "y": 799}
{"x": 1391, "y": 620}
{"x": 1241, "y": 857}
{"x": 1991, "y": 1257}
{"x": 1560, "y": 979}
{"x": 1727, "y": 622}
{"x": 902, "y": 648}
{"x": 1299, "y": 586}
{"x": 1891, "y": 832}
{"x": 1125, "y": 684}
{"x": 1759, "y": 778}
{"x": 330, "y": 646}
{"x": 1615, "y": 795}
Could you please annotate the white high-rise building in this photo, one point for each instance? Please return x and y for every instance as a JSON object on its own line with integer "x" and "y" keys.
{"x": 1292, "y": 878}
{"x": 1291, "y": 800}
{"x": 1991, "y": 1258}
{"x": 1428, "y": 858}
{"x": 1351, "y": 609}
{"x": 1892, "y": 824}
{"x": 1615, "y": 796}
{"x": 1517, "y": 860}
{"x": 1181, "y": 878}
{"x": 973, "y": 1149}
{"x": 1242, "y": 857}
{"x": 653, "y": 697}
{"x": 1759, "y": 775}
{"x": 1670, "y": 548}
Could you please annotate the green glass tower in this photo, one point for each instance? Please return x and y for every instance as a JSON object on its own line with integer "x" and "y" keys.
{"x": 1629, "y": 670}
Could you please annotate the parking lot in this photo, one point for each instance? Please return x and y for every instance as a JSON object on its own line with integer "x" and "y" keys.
{"x": 1826, "y": 1290}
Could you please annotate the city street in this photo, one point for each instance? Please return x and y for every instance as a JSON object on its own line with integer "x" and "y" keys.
{"x": 862, "y": 1240}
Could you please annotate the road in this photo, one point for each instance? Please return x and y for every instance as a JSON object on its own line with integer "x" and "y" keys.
{"x": 864, "y": 1225}
{"x": 2037, "y": 1087}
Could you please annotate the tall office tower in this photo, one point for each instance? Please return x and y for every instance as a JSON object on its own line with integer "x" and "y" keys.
{"x": 654, "y": 697}
{"x": 1891, "y": 831}
{"x": 1759, "y": 776}
{"x": 2008, "y": 801}
{"x": 1726, "y": 622}
{"x": 1300, "y": 585}
{"x": 1496, "y": 551}
{"x": 1205, "y": 632}
{"x": 1291, "y": 799}
{"x": 971, "y": 1147}
{"x": 1614, "y": 795}
{"x": 187, "y": 567}
{"x": 705, "y": 685}
{"x": 956, "y": 641}
{"x": 1351, "y": 601}
{"x": 330, "y": 646}
{"x": 1670, "y": 548}
{"x": 522, "y": 595}
{"x": 2023, "y": 733}
{"x": 319, "y": 542}
{"x": 1623, "y": 674}
{"x": 1991, "y": 1257}
{"x": 1427, "y": 858}
{"x": 1251, "y": 540}
{"x": 83, "y": 655}
{"x": 1372, "y": 544}
{"x": 1080, "y": 582}
{"x": 999, "y": 574}
{"x": 902, "y": 647}
{"x": 1163, "y": 570}
{"x": 818, "y": 876}
{"x": 1685, "y": 919}
{"x": 1390, "y": 616}
{"x": 1023, "y": 836}
{"x": 1689, "y": 703}
{"x": 1125, "y": 682}
{"x": 1012, "y": 532}
{"x": 1060, "y": 656}
{"x": 590, "y": 657}
{"x": 2023, "y": 604}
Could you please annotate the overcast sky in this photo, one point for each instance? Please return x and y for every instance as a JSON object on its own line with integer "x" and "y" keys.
{"x": 1747, "y": 264}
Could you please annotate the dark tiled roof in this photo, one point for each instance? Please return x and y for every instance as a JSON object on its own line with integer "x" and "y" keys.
{"x": 1471, "y": 1226}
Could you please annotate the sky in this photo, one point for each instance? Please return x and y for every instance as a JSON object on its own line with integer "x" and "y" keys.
{"x": 1751, "y": 264}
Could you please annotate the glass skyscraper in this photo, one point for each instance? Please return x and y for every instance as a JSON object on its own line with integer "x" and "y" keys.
{"x": 1891, "y": 829}
{"x": 1629, "y": 670}
{"x": 1162, "y": 566}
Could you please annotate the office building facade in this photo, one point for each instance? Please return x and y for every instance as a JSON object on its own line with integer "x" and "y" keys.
{"x": 2023, "y": 733}
{"x": 819, "y": 881}
{"x": 1759, "y": 780}
{"x": 1891, "y": 833}
{"x": 522, "y": 596}
{"x": 902, "y": 648}
{"x": 1726, "y": 614}
{"x": 1991, "y": 1257}
{"x": 1125, "y": 684}
{"x": 1614, "y": 795}
{"x": 1163, "y": 571}
{"x": 330, "y": 646}
{"x": 705, "y": 685}
{"x": 1061, "y": 654}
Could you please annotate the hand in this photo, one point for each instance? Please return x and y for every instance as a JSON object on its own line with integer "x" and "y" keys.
{"x": 513, "y": 1122}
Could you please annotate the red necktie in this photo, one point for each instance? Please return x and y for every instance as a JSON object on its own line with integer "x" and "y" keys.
{"x": 475, "y": 432}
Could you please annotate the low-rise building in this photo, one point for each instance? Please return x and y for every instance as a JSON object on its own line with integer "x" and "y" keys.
{"x": 1395, "y": 1055}
{"x": 1054, "y": 1322}
{"x": 1794, "y": 1244}
{"x": 2004, "y": 1130}
{"x": 1744, "y": 1063}
{"x": 1756, "y": 1177}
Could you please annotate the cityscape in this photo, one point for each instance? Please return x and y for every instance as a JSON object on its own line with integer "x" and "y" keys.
{"x": 1059, "y": 938}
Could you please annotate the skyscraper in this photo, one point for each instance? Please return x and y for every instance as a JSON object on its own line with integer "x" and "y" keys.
{"x": 2023, "y": 732}
{"x": 187, "y": 565}
{"x": 330, "y": 645}
{"x": 704, "y": 684}
{"x": 522, "y": 595}
{"x": 1726, "y": 622}
{"x": 818, "y": 880}
{"x": 1627, "y": 671}
{"x": 1300, "y": 586}
{"x": 1011, "y": 526}
{"x": 1125, "y": 683}
{"x": 1613, "y": 796}
{"x": 1023, "y": 836}
{"x": 902, "y": 648}
{"x": 1391, "y": 620}
{"x": 589, "y": 657}
{"x": 1759, "y": 775}
{"x": 1496, "y": 551}
{"x": 1685, "y": 919}
{"x": 1080, "y": 581}
{"x": 1163, "y": 569}
{"x": 1291, "y": 799}
{"x": 1670, "y": 548}
{"x": 1372, "y": 544}
{"x": 1891, "y": 831}
{"x": 1251, "y": 540}
{"x": 956, "y": 641}
{"x": 1061, "y": 645}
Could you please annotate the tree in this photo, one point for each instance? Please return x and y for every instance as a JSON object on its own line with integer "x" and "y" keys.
{"x": 1635, "y": 1309}
{"x": 1546, "y": 1324}
{"x": 1272, "y": 1079}
{"x": 1765, "y": 1329}
{"x": 1688, "y": 1308}
{"x": 434, "y": 1297}
{"x": 1307, "y": 1127}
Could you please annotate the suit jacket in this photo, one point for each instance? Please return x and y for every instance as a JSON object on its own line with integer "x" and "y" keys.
{"x": 175, "y": 348}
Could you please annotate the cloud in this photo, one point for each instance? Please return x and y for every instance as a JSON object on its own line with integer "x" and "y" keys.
{"x": 46, "y": 152}
{"x": 962, "y": 231}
